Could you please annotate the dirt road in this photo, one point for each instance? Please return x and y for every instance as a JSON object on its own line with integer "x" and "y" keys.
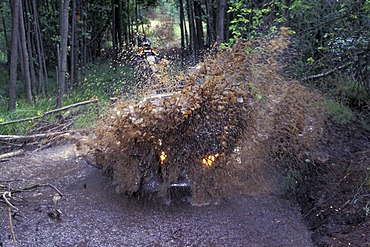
{"x": 94, "y": 215}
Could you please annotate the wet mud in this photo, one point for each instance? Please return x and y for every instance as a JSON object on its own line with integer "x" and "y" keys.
{"x": 93, "y": 214}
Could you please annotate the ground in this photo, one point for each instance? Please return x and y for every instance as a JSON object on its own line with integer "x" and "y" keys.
{"x": 328, "y": 209}
{"x": 93, "y": 214}
{"x": 334, "y": 194}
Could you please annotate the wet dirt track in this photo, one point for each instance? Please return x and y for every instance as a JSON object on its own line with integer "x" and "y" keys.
{"x": 94, "y": 215}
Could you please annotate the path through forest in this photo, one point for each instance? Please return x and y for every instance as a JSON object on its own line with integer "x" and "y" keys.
{"x": 92, "y": 214}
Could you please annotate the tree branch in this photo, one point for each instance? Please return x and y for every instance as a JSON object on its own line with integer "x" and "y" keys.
{"x": 312, "y": 77}
{"x": 51, "y": 112}
{"x": 8, "y": 138}
{"x": 11, "y": 154}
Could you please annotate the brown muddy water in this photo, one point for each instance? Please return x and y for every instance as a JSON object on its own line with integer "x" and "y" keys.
{"x": 93, "y": 214}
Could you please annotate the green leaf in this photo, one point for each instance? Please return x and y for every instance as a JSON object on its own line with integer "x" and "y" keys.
{"x": 310, "y": 60}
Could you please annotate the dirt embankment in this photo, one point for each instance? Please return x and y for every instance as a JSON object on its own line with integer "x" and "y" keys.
{"x": 334, "y": 192}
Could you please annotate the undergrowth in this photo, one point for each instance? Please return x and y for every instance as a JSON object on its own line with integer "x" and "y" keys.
{"x": 346, "y": 99}
{"x": 341, "y": 113}
{"x": 101, "y": 82}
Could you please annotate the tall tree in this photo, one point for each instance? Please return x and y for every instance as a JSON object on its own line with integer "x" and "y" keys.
{"x": 30, "y": 44}
{"x": 62, "y": 64}
{"x": 7, "y": 47}
{"x": 74, "y": 43}
{"x": 220, "y": 28}
{"x": 199, "y": 23}
{"x": 14, "y": 55}
{"x": 25, "y": 55}
{"x": 211, "y": 20}
{"x": 193, "y": 39}
{"x": 41, "y": 60}
{"x": 182, "y": 23}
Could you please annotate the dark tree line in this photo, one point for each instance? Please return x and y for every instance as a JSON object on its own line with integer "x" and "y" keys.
{"x": 64, "y": 36}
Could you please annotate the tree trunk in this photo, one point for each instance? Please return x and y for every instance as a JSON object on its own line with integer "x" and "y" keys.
{"x": 125, "y": 20}
{"x": 119, "y": 23}
{"x": 25, "y": 55}
{"x": 43, "y": 75}
{"x": 84, "y": 43}
{"x": 14, "y": 55}
{"x": 211, "y": 30}
{"x": 62, "y": 70}
{"x": 74, "y": 44}
{"x": 221, "y": 21}
{"x": 193, "y": 39}
{"x": 113, "y": 30}
{"x": 198, "y": 23}
{"x": 31, "y": 46}
{"x": 6, "y": 39}
{"x": 367, "y": 78}
{"x": 182, "y": 23}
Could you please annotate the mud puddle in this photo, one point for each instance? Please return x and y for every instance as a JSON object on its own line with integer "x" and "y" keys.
{"x": 92, "y": 214}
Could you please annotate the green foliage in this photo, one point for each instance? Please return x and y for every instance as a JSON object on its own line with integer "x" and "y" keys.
{"x": 348, "y": 100}
{"x": 89, "y": 116}
{"x": 4, "y": 80}
{"x": 324, "y": 35}
{"x": 363, "y": 191}
{"x": 327, "y": 35}
{"x": 3, "y": 49}
{"x": 102, "y": 82}
{"x": 251, "y": 20}
{"x": 291, "y": 182}
{"x": 6, "y": 23}
{"x": 82, "y": 117}
{"x": 339, "y": 112}
{"x": 344, "y": 88}
{"x": 106, "y": 80}
{"x": 23, "y": 110}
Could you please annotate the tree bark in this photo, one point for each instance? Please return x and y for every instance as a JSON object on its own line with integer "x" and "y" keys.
{"x": 31, "y": 43}
{"x": 14, "y": 56}
{"x": 42, "y": 71}
{"x": 62, "y": 70}
{"x": 182, "y": 23}
{"x": 125, "y": 20}
{"x": 211, "y": 36}
{"x": 6, "y": 38}
{"x": 198, "y": 23}
{"x": 84, "y": 43}
{"x": 25, "y": 55}
{"x": 113, "y": 30}
{"x": 193, "y": 39}
{"x": 221, "y": 21}
{"x": 74, "y": 44}
{"x": 119, "y": 23}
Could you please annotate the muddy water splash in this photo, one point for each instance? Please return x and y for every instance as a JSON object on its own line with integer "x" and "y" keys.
{"x": 234, "y": 115}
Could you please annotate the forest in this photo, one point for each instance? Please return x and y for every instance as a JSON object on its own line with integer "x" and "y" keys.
{"x": 56, "y": 56}
{"x": 47, "y": 46}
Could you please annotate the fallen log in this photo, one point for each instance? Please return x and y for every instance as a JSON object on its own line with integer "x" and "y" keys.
{"x": 29, "y": 138}
{"x": 11, "y": 154}
{"x": 312, "y": 77}
{"x": 51, "y": 112}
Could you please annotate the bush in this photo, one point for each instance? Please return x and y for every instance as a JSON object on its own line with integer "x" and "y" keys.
{"x": 339, "y": 112}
